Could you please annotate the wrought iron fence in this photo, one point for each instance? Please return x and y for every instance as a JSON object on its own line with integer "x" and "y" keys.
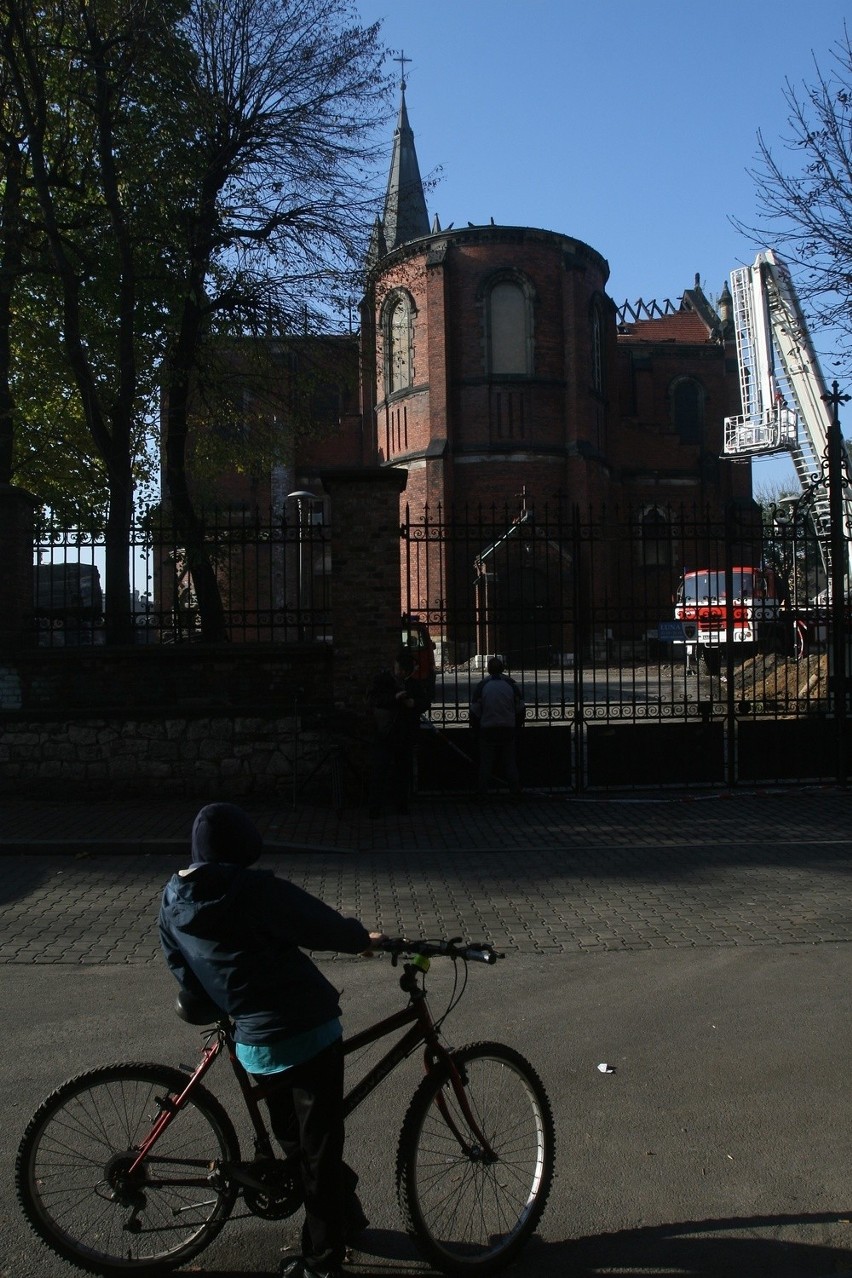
{"x": 654, "y": 616}
{"x": 272, "y": 572}
{"x": 713, "y": 633}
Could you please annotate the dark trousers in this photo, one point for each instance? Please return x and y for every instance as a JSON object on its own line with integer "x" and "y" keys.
{"x": 306, "y": 1114}
{"x": 391, "y": 772}
{"x": 498, "y": 746}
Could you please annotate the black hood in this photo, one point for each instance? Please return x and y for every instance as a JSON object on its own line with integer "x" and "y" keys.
{"x": 222, "y": 832}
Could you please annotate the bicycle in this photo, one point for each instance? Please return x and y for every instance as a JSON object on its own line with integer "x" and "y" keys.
{"x": 134, "y": 1168}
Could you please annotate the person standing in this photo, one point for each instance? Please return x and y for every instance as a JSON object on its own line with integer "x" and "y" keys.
{"x": 238, "y": 935}
{"x": 396, "y": 700}
{"x": 412, "y": 705}
{"x": 498, "y": 709}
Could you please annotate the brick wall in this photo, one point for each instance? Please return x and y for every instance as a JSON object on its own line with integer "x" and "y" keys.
{"x": 16, "y": 565}
{"x": 365, "y": 556}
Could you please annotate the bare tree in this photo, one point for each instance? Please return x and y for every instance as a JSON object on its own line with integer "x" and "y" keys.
{"x": 285, "y": 101}
{"x": 198, "y": 167}
{"x": 805, "y": 197}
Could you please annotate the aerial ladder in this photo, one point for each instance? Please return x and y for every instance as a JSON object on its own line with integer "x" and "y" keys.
{"x": 769, "y": 323}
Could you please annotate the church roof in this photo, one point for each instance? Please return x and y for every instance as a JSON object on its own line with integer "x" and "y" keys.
{"x": 695, "y": 321}
{"x": 405, "y": 216}
{"x": 681, "y": 326}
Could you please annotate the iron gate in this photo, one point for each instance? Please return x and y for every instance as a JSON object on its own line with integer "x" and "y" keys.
{"x": 620, "y": 692}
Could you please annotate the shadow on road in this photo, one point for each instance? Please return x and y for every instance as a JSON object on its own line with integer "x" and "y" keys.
{"x": 725, "y": 1248}
{"x": 699, "y": 1249}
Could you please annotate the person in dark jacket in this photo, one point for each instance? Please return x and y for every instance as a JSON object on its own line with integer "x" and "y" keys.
{"x": 237, "y": 935}
{"x": 396, "y": 700}
{"x": 498, "y": 709}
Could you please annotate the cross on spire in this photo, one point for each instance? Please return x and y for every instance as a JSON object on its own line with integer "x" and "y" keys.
{"x": 402, "y": 59}
{"x": 405, "y": 217}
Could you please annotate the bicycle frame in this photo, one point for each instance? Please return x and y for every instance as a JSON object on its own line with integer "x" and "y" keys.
{"x": 416, "y": 1015}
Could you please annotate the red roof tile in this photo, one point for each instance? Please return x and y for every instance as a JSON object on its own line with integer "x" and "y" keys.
{"x": 682, "y": 326}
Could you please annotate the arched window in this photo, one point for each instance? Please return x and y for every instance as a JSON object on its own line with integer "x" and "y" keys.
{"x": 687, "y": 409}
{"x": 597, "y": 348}
{"x": 655, "y": 538}
{"x": 509, "y": 330}
{"x": 399, "y": 370}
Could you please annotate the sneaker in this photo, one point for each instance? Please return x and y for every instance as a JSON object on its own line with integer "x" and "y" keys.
{"x": 298, "y": 1267}
{"x": 292, "y": 1267}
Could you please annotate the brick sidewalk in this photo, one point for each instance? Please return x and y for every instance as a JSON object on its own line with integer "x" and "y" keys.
{"x": 135, "y": 825}
{"x": 549, "y": 877}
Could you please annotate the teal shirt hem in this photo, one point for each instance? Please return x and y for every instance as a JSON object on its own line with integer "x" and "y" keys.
{"x": 285, "y": 1053}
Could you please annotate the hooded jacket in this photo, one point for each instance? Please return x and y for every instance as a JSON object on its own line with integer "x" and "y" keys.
{"x": 236, "y": 934}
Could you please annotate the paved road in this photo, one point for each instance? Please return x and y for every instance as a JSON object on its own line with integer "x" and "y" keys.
{"x": 700, "y": 948}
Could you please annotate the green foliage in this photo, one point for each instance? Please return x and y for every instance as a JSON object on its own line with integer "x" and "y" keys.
{"x": 174, "y": 172}
{"x": 86, "y": 88}
{"x": 791, "y": 544}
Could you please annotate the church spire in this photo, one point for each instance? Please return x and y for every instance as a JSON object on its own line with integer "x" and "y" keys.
{"x": 405, "y": 216}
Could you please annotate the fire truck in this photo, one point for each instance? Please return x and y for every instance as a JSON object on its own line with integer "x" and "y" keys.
{"x": 779, "y": 366}
{"x": 755, "y": 615}
{"x": 783, "y": 395}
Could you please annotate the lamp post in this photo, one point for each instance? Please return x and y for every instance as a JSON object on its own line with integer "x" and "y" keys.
{"x": 300, "y": 497}
{"x": 839, "y": 573}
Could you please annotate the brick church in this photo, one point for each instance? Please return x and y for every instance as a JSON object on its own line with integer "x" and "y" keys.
{"x": 494, "y": 363}
{"x": 494, "y": 368}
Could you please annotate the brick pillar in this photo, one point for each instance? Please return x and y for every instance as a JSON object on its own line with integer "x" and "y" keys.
{"x": 16, "y": 568}
{"x": 365, "y": 573}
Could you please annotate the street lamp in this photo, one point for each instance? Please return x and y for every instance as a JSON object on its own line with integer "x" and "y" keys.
{"x": 300, "y": 497}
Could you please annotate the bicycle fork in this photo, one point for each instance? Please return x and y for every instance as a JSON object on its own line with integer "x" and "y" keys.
{"x": 481, "y": 1150}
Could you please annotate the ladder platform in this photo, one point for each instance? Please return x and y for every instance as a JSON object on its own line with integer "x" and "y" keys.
{"x": 770, "y": 432}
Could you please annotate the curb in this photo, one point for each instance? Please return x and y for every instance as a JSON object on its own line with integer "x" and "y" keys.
{"x": 146, "y": 847}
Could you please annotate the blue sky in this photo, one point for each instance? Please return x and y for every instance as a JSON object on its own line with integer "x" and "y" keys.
{"x": 629, "y": 125}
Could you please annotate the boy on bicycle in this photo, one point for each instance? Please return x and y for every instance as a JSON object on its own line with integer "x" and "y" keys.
{"x": 237, "y": 935}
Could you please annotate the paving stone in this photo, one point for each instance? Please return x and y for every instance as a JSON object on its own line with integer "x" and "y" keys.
{"x": 627, "y": 876}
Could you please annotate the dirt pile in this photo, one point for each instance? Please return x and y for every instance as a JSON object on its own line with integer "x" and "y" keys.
{"x": 772, "y": 678}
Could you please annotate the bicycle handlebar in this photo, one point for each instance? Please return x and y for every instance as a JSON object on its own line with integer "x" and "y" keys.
{"x": 472, "y": 951}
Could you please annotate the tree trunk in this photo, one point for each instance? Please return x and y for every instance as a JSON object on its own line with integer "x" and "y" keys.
{"x": 117, "y": 612}
{"x": 12, "y": 257}
{"x": 187, "y": 522}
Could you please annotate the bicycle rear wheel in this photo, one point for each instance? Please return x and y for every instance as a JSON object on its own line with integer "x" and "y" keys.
{"x": 71, "y": 1172}
{"x": 470, "y": 1212}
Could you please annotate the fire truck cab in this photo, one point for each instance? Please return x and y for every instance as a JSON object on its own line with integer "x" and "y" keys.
{"x": 757, "y": 613}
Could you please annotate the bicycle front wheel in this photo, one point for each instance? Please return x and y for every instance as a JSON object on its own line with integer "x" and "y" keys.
{"x": 73, "y": 1180}
{"x": 471, "y": 1208}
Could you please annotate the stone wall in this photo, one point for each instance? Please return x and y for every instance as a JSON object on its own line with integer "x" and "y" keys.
{"x": 365, "y": 588}
{"x": 211, "y": 721}
{"x": 206, "y": 722}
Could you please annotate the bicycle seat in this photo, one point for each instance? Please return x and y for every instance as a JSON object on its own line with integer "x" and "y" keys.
{"x": 197, "y": 1009}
